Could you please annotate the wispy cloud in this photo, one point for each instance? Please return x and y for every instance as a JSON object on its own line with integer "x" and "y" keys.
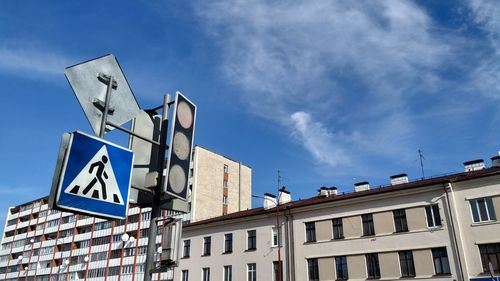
{"x": 339, "y": 75}
{"x": 31, "y": 62}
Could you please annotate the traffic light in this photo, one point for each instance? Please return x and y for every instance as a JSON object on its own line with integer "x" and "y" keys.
{"x": 181, "y": 145}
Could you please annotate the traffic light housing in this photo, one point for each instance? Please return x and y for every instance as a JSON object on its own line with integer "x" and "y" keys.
{"x": 181, "y": 146}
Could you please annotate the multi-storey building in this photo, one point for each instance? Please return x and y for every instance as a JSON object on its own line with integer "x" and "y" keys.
{"x": 43, "y": 244}
{"x": 441, "y": 228}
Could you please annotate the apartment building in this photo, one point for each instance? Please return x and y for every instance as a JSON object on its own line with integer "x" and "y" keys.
{"x": 41, "y": 244}
{"x": 441, "y": 228}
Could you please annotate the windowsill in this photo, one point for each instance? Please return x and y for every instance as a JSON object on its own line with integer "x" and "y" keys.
{"x": 373, "y": 278}
{"x": 339, "y": 238}
{"x": 205, "y": 255}
{"x": 484, "y": 223}
{"x": 227, "y": 252}
{"x": 442, "y": 275}
{"x": 402, "y": 231}
{"x": 251, "y": 250}
{"x": 368, "y": 235}
{"x": 186, "y": 257}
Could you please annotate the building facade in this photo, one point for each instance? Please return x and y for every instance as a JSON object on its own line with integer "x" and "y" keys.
{"x": 43, "y": 244}
{"x": 442, "y": 228}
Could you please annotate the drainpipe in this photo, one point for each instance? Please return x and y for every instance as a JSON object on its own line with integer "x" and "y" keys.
{"x": 448, "y": 188}
{"x": 290, "y": 245}
{"x": 239, "y": 187}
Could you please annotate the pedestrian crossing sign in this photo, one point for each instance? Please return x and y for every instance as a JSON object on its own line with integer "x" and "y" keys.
{"x": 94, "y": 177}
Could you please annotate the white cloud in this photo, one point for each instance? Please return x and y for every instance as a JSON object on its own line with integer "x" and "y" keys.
{"x": 337, "y": 74}
{"x": 31, "y": 62}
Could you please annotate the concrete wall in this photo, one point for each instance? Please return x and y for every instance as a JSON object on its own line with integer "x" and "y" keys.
{"x": 208, "y": 178}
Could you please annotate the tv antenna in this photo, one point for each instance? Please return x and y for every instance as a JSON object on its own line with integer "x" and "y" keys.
{"x": 421, "y": 156}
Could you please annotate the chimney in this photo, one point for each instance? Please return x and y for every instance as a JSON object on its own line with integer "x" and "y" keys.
{"x": 323, "y": 191}
{"x": 361, "y": 186}
{"x": 269, "y": 201}
{"x": 284, "y": 196}
{"x": 495, "y": 161}
{"x": 399, "y": 179}
{"x": 332, "y": 190}
{"x": 474, "y": 165}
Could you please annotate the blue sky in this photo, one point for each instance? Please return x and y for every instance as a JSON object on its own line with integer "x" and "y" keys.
{"x": 328, "y": 92}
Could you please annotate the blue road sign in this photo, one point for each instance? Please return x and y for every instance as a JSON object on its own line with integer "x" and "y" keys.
{"x": 95, "y": 177}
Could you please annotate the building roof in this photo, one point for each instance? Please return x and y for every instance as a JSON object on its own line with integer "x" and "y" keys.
{"x": 349, "y": 196}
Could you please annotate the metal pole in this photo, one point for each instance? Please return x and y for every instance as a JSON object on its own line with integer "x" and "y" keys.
{"x": 155, "y": 208}
{"x": 106, "y": 107}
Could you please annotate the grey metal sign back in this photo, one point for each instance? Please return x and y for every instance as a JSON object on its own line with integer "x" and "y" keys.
{"x": 88, "y": 81}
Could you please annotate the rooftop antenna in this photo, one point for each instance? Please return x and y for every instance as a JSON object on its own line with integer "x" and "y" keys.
{"x": 421, "y": 156}
{"x": 279, "y": 179}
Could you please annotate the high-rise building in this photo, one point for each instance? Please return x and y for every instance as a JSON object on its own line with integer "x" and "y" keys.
{"x": 43, "y": 244}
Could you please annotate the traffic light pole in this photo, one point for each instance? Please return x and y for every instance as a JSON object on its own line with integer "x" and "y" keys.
{"x": 156, "y": 210}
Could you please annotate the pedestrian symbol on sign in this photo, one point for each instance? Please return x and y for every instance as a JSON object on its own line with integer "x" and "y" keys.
{"x": 97, "y": 180}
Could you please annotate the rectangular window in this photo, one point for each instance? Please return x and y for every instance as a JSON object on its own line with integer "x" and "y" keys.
{"x": 226, "y": 168}
{"x": 207, "y": 241}
{"x": 278, "y": 271}
{"x": 368, "y": 227}
{"x": 252, "y": 240}
{"x": 228, "y": 273}
{"x": 276, "y": 240}
{"x": 341, "y": 268}
{"x": 228, "y": 243}
{"x": 433, "y": 216}
{"x": 482, "y": 210}
{"x": 441, "y": 264}
{"x": 338, "y": 228}
{"x": 224, "y": 199}
{"x": 310, "y": 232}
{"x": 400, "y": 220}
{"x": 252, "y": 272}
{"x": 372, "y": 266}
{"x": 186, "y": 249}
{"x": 406, "y": 263}
{"x": 490, "y": 253}
{"x": 185, "y": 275}
{"x": 312, "y": 269}
{"x": 205, "y": 276}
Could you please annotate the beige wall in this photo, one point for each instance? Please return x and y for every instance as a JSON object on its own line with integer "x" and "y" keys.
{"x": 352, "y": 226}
{"x": 208, "y": 177}
{"x": 326, "y": 269}
{"x": 384, "y": 222}
{"x": 389, "y": 265}
{"x": 416, "y": 218}
{"x": 356, "y": 266}
{"x": 424, "y": 265}
{"x": 324, "y": 230}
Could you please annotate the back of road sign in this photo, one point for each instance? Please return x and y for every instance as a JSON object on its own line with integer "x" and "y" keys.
{"x": 95, "y": 177}
{"x": 91, "y": 92}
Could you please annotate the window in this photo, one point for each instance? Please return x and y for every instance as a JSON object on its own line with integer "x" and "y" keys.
{"x": 482, "y": 210}
{"x": 341, "y": 268}
{"x": 310, "y": 232}
{"x": 406, "y": 263}
{"x": 252, "y": 240}
{"x": 433, "y": 216}
{"x": 490, "y": 253}
{"x": 440, "y": 257}
{"x": 127, "y": 269}
{"x": 400, "y": 220}
{"x": 278, "y": 270}
{"x": 228, "y": 273}
{"x": 207, "y": 241}
{"x": 224, "y": 199}
{"x": 368, "y": 227}
{"x": 228, "y": 243}
{"x": 187, "y": 248}
{"x": 276, "y": 238}
{"x": 205, "y": 274}
{"x": 312, "y": 269}
{"x": 372, "y": 266}
{"x": 252, "y": 272}
{"x": 226, "y": 169}
{"x": 338, "y": 229}
{"x": 185, "y": 275}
